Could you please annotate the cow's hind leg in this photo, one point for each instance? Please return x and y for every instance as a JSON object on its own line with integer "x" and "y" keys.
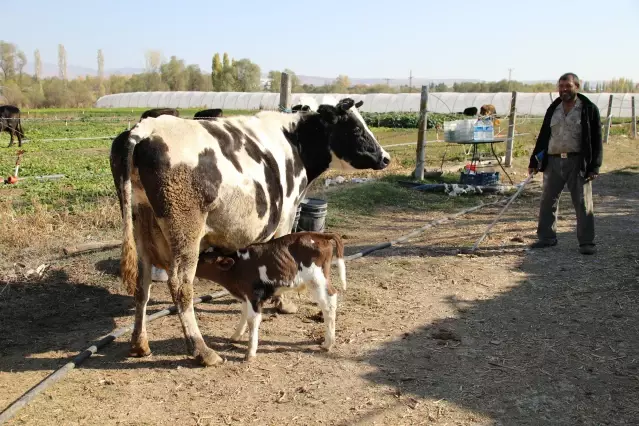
{"x": 181, "y": 274}
{"x": 139, "y": 339}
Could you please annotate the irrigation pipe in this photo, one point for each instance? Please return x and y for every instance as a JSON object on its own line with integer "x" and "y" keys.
{"x": 57, "y": 375}
{"x": 420, "y": 230}
{"x": 54, "y": 377}
{"x": 521, "y": 188}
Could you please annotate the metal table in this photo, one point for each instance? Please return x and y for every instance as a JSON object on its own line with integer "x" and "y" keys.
{"x": 474, "y": 144}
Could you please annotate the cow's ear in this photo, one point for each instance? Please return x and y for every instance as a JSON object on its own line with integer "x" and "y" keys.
{"x": 346, "y": 104}
{"x": 224, "y": 263}
{"x": 328, "y": 113}
{"x": 359, "y": 104}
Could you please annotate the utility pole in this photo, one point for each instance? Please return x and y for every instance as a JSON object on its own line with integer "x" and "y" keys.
{"x": 410, "y": 82}
{"x": 510, "y": 73}
{"x": 387, "y": 81}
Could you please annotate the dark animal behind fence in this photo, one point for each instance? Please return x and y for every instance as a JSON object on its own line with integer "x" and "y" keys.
{"x": 10, "y": 123}
{"x": 487, "y": 109}
{"x": 207, "y": 114}
{"x": 470, "y": 111}
{"x": 156, "y": 112}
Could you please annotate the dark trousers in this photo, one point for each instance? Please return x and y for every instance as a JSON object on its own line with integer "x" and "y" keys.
{"x": 559, "y": 173}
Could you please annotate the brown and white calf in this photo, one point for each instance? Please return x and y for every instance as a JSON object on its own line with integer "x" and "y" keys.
{"x": 294, "y": 262}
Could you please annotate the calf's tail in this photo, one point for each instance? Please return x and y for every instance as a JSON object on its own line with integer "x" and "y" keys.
{"x": 341, "y": 266}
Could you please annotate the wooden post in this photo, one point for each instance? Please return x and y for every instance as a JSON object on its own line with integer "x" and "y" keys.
{"x": 511, "y": 131}
{"x": 633, "y": 133}
{"x": 608, "y": 120}
{"x": 420, "y": 162}
{"x": 285, "y": 92}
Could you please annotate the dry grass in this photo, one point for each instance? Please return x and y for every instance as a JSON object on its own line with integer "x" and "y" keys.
{"x": 44, "y": 232}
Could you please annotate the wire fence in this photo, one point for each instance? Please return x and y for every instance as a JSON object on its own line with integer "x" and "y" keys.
{"x": 52, "y": 131}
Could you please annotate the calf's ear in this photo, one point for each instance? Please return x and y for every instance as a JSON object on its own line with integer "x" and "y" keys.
{"x": 225, "y": 263}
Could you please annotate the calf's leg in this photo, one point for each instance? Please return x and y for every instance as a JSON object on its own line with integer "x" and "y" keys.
{"x": 328, "y": 304}
{"x": 254, "y": 318}
{"x": 241, "y": 326}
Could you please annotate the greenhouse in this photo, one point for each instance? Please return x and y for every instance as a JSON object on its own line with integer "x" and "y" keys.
{"x": 438, "y": 102}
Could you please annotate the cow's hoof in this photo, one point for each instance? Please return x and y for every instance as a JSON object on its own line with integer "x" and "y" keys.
{"x": 236, "y": 337}
{"x": 209, "y": 358}
{"x": 249, "y": 358}
{"x": 328, "y": 345}
{"x": 140, "y": 351}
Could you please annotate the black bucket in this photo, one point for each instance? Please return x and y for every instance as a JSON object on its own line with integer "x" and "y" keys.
{"x": 312, "y": 215}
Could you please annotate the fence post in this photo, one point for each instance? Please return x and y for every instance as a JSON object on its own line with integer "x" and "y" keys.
{"x": 608, "y": 120}
{"x": 420, "y": 162}
{"x": 285, "y": 92}
{"x": 510, "y": 140}
{"x": 634, "y": 119}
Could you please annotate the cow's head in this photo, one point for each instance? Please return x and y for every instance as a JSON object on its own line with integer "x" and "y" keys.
{"x": 352, "y": 144}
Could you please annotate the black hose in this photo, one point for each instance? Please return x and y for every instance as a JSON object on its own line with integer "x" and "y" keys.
{"x": 54, "y": 377}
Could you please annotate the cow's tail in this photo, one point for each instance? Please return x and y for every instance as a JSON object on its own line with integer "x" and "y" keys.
{"x": 341, "y": 266}
{"x": 129, "y": 258}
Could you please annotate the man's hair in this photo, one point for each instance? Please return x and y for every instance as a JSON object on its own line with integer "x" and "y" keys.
{"x": 568, "y": 76}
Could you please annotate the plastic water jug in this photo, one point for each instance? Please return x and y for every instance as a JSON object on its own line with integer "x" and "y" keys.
{"x": 478, "y": 131}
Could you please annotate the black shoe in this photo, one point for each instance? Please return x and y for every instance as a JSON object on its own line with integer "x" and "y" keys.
{"x": 543, "y": 243}
{"x": 587, "y": 249}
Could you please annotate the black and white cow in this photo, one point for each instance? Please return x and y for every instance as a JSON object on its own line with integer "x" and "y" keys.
{"x": 187, "y": 185}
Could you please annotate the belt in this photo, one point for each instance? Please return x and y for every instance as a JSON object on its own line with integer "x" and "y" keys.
{"x": 565, "y": 154}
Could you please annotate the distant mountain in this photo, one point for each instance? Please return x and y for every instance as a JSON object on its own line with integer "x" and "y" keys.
{"x": 417, "y": 82}
{"x": 73, "y": 71}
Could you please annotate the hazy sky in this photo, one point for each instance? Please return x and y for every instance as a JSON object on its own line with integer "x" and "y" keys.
{"x": 384, "y": 39}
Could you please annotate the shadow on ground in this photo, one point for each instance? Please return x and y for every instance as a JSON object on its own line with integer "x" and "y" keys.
{"x": 560, "y": 347}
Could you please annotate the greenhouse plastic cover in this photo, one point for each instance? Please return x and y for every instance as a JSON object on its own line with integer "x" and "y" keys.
{"x": 438, "y": 102}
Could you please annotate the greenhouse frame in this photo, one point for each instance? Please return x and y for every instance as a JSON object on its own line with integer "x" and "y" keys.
{"x": 534, "y": 104}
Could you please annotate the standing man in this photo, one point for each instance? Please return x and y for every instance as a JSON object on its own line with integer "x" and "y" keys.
{"x": 570, "y": 139}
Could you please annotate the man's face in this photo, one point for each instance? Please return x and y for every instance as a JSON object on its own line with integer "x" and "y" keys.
{"x": 567, "y": 89}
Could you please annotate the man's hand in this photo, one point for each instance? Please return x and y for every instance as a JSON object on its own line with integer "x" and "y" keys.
{"x": 591, "y": 176}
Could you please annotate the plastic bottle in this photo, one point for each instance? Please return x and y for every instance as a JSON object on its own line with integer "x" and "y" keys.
{"x": 478, "y": 130}
{"x": 489, "y": 130}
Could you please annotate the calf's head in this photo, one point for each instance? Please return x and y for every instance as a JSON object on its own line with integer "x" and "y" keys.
{"x": 212, "y": 265}
{"x": 352, "y": 144}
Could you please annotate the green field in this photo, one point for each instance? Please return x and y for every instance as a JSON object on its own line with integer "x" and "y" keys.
{"x": 85, "y": 165}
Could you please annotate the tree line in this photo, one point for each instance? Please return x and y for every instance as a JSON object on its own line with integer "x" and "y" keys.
{"x": 227, "y": 74}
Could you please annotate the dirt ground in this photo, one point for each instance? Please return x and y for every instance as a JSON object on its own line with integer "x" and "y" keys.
{"x": 425, "y": 335}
